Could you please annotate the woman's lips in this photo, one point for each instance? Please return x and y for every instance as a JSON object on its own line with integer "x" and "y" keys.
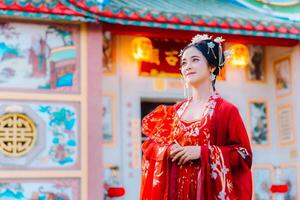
{"x": 190, "y": 73}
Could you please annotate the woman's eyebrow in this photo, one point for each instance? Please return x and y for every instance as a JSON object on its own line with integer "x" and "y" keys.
{"x": 192, "y": 57}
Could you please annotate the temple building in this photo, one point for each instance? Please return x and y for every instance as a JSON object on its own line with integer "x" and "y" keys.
{"x": 77, "y": 77}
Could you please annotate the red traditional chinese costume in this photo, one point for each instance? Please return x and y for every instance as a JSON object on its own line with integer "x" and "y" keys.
{"x": 223, "y": 170}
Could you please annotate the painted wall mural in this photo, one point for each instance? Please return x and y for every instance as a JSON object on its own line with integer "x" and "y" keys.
{"x": 262, "y": 178}
{"x": 289, "y": 177}
{"x": 66, "y": 189}
{"x": 259, "y": 123}
{"x": 57, "y": 138}
{"x": 39, "y": 57}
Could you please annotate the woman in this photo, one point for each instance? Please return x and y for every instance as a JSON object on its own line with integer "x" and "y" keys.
{"x": 198, "y": 148}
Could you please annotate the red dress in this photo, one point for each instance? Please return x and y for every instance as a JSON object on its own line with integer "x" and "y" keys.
{"x": 223, "y": 170}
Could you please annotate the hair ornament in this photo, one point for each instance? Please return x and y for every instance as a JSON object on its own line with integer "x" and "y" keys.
{"x": 211, "y": 46}
{"x": 219, "y": 40}
{"x": 228, "y": 53}
{"x": 181, "y": 52}
{"x": 198, "y": 38}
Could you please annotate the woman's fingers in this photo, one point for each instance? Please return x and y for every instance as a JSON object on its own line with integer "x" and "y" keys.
{"x": 186, "y": 160}
{"x": 183, "y": 159}
{"x": 175, "y": 150}
{"x": 185, "y": 154}
{"x": 178, "y": 155}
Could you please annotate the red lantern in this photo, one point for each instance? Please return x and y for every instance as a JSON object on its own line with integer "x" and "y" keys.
{"x": 240, "y": 56}
{"x": 279, "y": 188}
{"x": 142, "y": 49}
{"x": 115, "y": 192}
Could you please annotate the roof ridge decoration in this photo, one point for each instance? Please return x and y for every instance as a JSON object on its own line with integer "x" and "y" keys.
{"x": 282, "y": 9}
{"x": 119, "y": 12}
{"x": 50, "y": 9}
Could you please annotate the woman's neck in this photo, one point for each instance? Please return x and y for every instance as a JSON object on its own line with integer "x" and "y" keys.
{"x": 202, "y": 92}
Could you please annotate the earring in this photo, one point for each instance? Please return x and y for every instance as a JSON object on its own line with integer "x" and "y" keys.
{"x": 212, "y": 76}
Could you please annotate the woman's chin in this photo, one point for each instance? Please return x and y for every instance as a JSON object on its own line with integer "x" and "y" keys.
{"x": 192, "y": 81}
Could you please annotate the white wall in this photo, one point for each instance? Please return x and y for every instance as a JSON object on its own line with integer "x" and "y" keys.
{"x": 129, "y": 88}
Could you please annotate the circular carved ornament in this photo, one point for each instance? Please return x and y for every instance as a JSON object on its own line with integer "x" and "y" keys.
{"x": 17, "y": 134}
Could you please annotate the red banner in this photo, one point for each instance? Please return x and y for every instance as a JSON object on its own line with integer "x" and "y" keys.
{"x": 165, "y": 61}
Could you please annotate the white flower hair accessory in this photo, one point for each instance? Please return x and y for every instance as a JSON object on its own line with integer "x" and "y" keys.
{"x": 181, "y": 52}
{"x": 198, "y": 38}
{"x": 219, "y": 40}
{"x": 211, "y": 45}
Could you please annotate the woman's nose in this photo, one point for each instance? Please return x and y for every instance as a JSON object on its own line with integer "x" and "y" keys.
{"x": 187, "y": 67}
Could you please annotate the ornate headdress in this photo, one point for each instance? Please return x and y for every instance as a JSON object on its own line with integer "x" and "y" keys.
{"x": 203, "y": 42}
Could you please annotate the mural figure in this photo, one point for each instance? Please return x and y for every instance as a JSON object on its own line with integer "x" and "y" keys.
{"x": 62, "y": 122}
{"x": 47, "y": 59}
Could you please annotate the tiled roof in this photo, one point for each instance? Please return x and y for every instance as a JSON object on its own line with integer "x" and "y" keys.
{"x": 219, "y": 16}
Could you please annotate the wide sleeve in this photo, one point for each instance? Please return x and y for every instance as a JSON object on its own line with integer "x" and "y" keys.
{"x": 238, "y": 141}
{"x": 226, "y": 164}
{"x": 157, "y": 127}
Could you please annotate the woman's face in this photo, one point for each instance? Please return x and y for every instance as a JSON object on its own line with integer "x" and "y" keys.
{"x": 194, "y": 67}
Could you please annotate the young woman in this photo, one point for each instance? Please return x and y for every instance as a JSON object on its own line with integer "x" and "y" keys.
{"x": 198, "y": 148}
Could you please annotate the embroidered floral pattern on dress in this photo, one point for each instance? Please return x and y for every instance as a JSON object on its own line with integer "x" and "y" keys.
{"x": 157, "y": 174}
{"x": 243, "y": 152}
{"x": 195, "y": 128}
{"x": 145, "y": 167}
{"x": 209, "y": 107}
{"x": 153, "y": 126}
{"x": 219, "y": 170}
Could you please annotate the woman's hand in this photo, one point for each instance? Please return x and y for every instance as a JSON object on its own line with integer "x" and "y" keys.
{"x": 175, "y": 148}
{"x": 185, "y": 154}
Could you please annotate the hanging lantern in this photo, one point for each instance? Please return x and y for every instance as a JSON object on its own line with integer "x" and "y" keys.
{"x": 142, "y": 49}
{"x": 240, "y": 56}
{"x": 279, "y": 188}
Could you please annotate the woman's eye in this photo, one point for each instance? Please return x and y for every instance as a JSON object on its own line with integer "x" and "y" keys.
{"x": 183, "y": 64}
{"x": 195, "y": 59}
